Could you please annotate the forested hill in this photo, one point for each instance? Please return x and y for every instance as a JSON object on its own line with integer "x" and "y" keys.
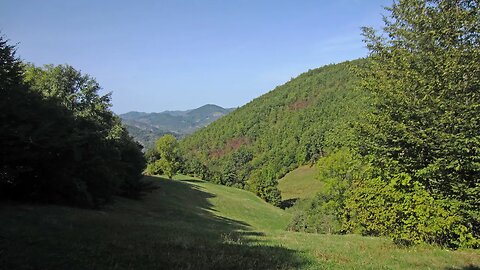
{"x": 148, "y": 127}
{"x": 275, "y": 133}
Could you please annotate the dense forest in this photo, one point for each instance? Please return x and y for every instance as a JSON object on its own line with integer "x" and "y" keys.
{"x": 60, "y": 142}
{"x": 395, "y": 136}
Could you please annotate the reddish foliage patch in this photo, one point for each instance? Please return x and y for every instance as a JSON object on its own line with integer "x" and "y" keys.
{"x": 298, "y": 105}
{"x": 231, "y": 145}
{"x": 218, "y": 153}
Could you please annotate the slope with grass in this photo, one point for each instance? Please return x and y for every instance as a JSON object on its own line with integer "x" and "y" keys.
{"x": 192, "y": 224}
{"x": 300, "y": 183}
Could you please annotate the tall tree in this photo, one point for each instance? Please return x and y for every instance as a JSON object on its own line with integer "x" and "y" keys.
{"x": 60, "y": 142}
{"x": 167, "y": 147}
{"x": 35, "y": 133}
{"x": 79, "y": 93}
{"x": 424, "y": 73}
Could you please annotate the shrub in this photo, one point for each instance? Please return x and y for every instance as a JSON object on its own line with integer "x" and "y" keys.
{"x": 402, "y": 209}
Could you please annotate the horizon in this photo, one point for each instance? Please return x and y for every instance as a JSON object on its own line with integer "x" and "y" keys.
{"x": 191, "y": 109}
{"x": 181, "y": 55}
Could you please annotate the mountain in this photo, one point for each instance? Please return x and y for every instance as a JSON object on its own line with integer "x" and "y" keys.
{"x": 147, "y": 127}
{"x": 294, "y": 124}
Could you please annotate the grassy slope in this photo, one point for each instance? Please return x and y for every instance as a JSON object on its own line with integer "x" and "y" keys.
{"x": 192, "y": 224}
{"x": 300, "y": 183}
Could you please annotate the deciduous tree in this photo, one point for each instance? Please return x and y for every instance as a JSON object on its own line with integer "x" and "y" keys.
{"x": 424, "y": 73}
{"x": 167, "y": 148}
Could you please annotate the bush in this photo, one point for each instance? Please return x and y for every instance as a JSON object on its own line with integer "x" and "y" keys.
{"x": 324, "y": 213}
{"x": 402, "y": 209}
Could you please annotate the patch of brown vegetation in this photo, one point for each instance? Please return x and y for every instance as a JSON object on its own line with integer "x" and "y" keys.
{"x": 230, "y": 146}
{"x": 298, "y": 105}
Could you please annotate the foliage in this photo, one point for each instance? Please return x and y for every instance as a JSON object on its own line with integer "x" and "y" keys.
{"x": 165, "y": 159}
{"x": 167, "y": 147}
{"x": 402, "y": 209}
{"x": 60, "y": 142}
{"x": 263, "y": 184}
{"x": 195, "y": 168}
{"x": 425, "y": 77}
{"x": 146, "y": 136}
{"x": 324, "y": 214}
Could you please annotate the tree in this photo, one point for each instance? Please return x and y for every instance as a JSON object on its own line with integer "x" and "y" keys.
{"x": 16, "y": 105}
{"x": 79, "y": 93}
{"x": 325, "y": 212}
{"x": 264, "y": 184}
{"x": 60, "y": 142}
{"x": 424, "y": 74}
{"x": 167, "y": 148}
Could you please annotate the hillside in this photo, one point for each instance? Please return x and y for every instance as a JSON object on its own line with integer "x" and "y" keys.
{"x": 300, "y": 183}
{"x": 192, "y": 224}
{"x": 147, "y": 127}
{"x": 294, "y": 124}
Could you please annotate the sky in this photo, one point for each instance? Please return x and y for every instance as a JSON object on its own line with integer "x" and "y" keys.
{"x": 181, "y": 54}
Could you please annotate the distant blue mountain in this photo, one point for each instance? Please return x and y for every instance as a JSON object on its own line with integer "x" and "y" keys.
{"x": 146, "y": 128}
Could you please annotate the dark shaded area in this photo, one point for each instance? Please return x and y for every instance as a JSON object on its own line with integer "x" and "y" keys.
{"x": 288, "y": 203}
{"x": 59, "y": 141}
{"x": 173, "y": 228}
{"x": 468, "y": 267}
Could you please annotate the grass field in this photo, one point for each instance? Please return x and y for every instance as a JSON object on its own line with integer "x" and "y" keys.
{"x": 191, "y": 224}
{"x": 300, "y": 183}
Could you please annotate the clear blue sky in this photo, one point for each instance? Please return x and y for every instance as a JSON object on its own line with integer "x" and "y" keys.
{"x": 181, "y": 54}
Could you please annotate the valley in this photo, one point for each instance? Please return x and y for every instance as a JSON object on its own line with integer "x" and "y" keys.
{"x": 334, "y": 154}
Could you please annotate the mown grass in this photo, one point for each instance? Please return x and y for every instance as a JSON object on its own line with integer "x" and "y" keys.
{"x": 300, "y": 183}
{"x": 191, "y": 224}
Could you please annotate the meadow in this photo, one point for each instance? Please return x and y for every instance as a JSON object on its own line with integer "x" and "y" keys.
{"x": 188, "y": 223}
{"x": 300, "y": 183}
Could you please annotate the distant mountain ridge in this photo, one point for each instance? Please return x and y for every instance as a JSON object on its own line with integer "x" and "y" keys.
{"x": 147, "y": 127}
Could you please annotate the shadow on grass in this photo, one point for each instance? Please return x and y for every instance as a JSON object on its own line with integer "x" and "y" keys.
{"x": 174, "y": 227}
{"x": 468, "y": 267}
{"x": 288, "y": 203}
